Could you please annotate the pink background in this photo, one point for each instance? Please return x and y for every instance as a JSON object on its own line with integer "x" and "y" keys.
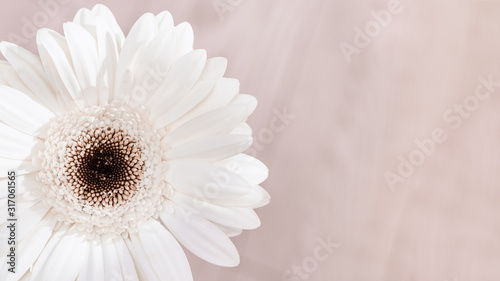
{"x": 352, "y": 122}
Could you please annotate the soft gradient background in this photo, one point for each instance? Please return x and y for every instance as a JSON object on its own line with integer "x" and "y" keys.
{"x": 351, "y": 123}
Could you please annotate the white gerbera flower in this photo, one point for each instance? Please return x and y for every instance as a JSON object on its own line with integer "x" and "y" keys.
{"x": 123, "y": 147}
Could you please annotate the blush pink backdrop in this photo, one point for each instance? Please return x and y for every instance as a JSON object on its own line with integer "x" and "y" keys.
{"x": 351, "y": 122}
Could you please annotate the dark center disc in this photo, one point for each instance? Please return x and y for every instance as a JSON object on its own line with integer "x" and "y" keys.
{"x": 107, "y": 169}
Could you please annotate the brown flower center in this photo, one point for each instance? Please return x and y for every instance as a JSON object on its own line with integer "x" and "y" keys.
{"x": 104, "y": 166}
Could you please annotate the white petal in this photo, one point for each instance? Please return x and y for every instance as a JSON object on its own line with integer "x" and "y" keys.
{"x": 110, "y": 39}
{"x": 255, "y": 198}
{"x": 201, "y": 237}
{"x": 30, "y": 248}
{"x": 212, "y": 123}
{"x": 112, "y": 267}
{"x": 143, "y": 31}
{"x": 3, "y": 79}
{"x": 247, "y": 100}
{"x": 225, "y": 89}
{"x": 83, "y": 49}
{"x": 86, "y": 19}
{"x": 164, "y": 21}
{"x": 144, "y": 269}
{"x": 247, "y": 167}
{"x": 230, "y": 231}
{"x": 92, "y": 267}
{"x": 22, "y": 113}
{"x": 126, "y": 262}
{"x": 21, "y": 166}
{"x": 12, "y": 79}
{"x": 17, "y": 145}
{"x": 180, "y": 79}
{"x": 25, "y": 183}
{"x": 214, "y": 69}
{"x": 213, "y": 148}
{"x": 25, "y": 207}
{"x": 108, "y": 56}
{"x": 26, "y": 276}
{"x": 30, "y": 218}
{"x": 19, "y": 203}
{"x": 184, "y": 38}
{"x": 72, "y": 247}
{"x": 106, "y": 20}
{"x": 100, "y": 19}
{"x": 29, "y": 68}
{"x": 34, "y": 194}
{"x": 164, "y": 253}
{"x": 152, "y": 66}
{"x": 242, "y": 129}
{"x": 266, "y": 197}
{"x": 205, "y": 180}
{"x": 55, "y": 55}
{"x": 200, "y": 90}
{"x": 244, "y": 218}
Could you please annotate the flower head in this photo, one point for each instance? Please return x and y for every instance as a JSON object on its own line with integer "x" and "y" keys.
{"x": 124, "y": 147}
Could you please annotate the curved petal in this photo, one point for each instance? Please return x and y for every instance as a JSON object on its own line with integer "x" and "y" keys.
{"x": 229, "y": 231}
{"x": 164, "y": 21}
{"x": 92, "y": 267}
{"x": 109, "y": 39}
{"x": 21, "y": 166}
{"x": 143, "y": 31}
{"x": 10, "y": 78}
{"x": 100, "y": 20}
{"x": 250, "y": 102}
{"x": 205, "y": 180}
{"x": 30, "y": 69}
{"x": 141, "y": 263}
{"x": 184, "y": 38}
{"x": 152, "y": 66}
{"x": 194, "y": 97}
{"x": 31, "y": 217}
{"x": 25, "y": 207}
{"x": 108, "y": 56}
{"x": 112, "y": 267}
{"x": 242, "y": 129}
{"x": 216, "y": 122}
{"x": 24, "y": 114}
{"x": 73, "y": 246}
{"x": 213, "y": 148}
{"x": 86, "y": 19}
{"x": 17, "y": 145}
{"x": 55, "y": 55}
{"x": 30, "y": 184}
{"x": 225, "y": 89}
{"x": 244, "y": 218}
{"x": 180, "y": 79}
{"x": 83, "y": 49}
{"x": 247, "y": 167}
{"x": 126, "y": 262}
{"x": 255, "y": 198}
{"x": 106, "y": 20}
{"x": 214, "y": 69}
{"x": 164, "y": 254}
{"x": 30, "y": 248}
{"x": 201, "y": 237}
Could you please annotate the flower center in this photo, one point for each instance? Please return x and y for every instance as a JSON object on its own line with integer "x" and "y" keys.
{"x": 101, "y": 169}
{"x": 105, "y": 167}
